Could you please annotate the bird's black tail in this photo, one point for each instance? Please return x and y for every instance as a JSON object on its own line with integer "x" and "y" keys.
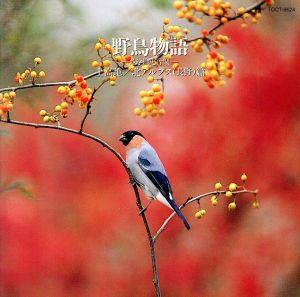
{"x": 179, "y": 213}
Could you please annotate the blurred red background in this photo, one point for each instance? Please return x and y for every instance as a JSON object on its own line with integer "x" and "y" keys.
{"x": 81, "y": 234}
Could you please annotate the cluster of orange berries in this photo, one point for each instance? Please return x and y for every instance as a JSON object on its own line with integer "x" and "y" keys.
{"x": 253, "y": 16}
{"x": 30, "y": 74}
{"x": 193, "y": 11}
{"x": 216, "y": 68}
{"x": 6, "y": 102}
{"x": 152, "y": 100}
{"x": 175, "y": 31}
{"x": 106, "y": 54}
{"x": 228, "y": 192}
{"x": 59, "y": 110}
{"x": 79, "y": 92}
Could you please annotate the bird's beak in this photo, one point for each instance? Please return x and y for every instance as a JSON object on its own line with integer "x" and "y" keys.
{"x": 122, "y": 138}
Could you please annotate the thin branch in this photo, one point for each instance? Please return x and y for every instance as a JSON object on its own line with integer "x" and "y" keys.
{"x": 89, "y": 105}
{"x": 255, "y": 6}
{"x": 196, "y": 199}
{"x": 151, "y": 242}
{"x": 49, "y": 84}
{"x": 90, "y": 136}
{"x": 134, "y": 186}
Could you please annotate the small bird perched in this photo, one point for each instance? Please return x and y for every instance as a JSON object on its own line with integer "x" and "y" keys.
{"x": 148, "y": 171}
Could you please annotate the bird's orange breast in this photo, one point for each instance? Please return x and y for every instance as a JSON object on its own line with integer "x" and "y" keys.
{"x": 136, "y": 142}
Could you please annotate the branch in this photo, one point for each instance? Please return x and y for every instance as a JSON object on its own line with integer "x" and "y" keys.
{"x": 196, "y": 199}
{"x": 256, "y": 6}
{"x": 49, "y": 84}
{"x": 133, "y": 184}
{"x": 89, "y": 105}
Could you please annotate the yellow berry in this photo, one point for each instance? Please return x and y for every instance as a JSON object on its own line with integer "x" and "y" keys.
{"x": 131, "y": 68}
{"x": 112, "y": 83}
{"x": 232, "y": 206}
{"x": 95, "y": 64}
{"x": 137, "y": 111}
{"x": 149, "y": 107}
{"x": 244, "y": 177}
{"x": 180, "y": 14}
{"x": 150, "y": 79}
{"x": 106, "y": 63}
{"x": 57, "y": 108}
{"x": 98, "y": 46}
{"x": 9, "y": 106}
{"x": 89, "y": 91}
{"x": 161, "y": 111}
{"x": 203, "y": 212}
{"x": 64, "y": 104}
{"x": 156, "y": 88}
{"x": 46, "y": 119}
{"x": 113, "y": 78}
{"x": 12, "y": 95}
{"x": 241, "y": 10}
{"x": 145, "y": 67}
{"x": 143, "y": 93}
{"x": 255, "y": 204}
{"x": 154, "y": 113}
{"x": 144, "y": 100}
{"x": 232, "y": 187}
{"x": 42, "y": 74}
{"x": 218, "y": 186}
{"x": 214, "y": 200}
{"x": 244, "y": 25}
{"x": 198, "y": 215}
{"x": 33, "y": 74}
{"x": 228, "y": 194}
{"x": 72, "y": 93}
{"x": 43, "y": 112}
{"x": 143, "y": 114}
{"x": 108, "y": 47}
{"x": 37, "y": 60}
{"x": 224, "y": 20}
{"x": 62, "y": 90}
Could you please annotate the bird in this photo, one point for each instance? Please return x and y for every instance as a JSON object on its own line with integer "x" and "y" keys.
{"x": 148, "y": 171}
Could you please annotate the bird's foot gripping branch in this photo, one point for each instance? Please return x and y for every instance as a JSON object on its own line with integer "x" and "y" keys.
{"x": 80, "y": 91}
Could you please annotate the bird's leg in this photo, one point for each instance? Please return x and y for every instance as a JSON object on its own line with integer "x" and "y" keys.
{"x": 145, "y": 208}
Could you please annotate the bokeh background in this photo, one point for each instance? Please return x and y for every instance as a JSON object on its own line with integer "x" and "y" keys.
{"x": 69, "y": 223}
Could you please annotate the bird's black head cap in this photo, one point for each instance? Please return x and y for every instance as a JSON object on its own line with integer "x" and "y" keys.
{"x": 127, "y": 136}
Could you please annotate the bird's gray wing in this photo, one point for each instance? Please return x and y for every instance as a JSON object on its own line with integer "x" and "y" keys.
{"x": 151, "y": 165}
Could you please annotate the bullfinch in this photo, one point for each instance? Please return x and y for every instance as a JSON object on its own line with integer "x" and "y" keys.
{"x": 148, "y": 171}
